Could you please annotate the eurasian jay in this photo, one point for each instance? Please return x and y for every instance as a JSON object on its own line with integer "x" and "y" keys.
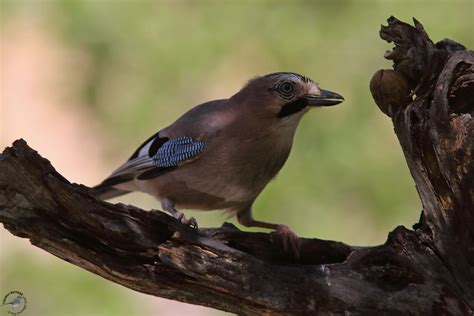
{"x": 221, "y": 154}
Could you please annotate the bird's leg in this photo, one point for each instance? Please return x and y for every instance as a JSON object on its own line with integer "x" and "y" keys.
{"x": 168, "y": 205}
{"x": 290, "y": 239}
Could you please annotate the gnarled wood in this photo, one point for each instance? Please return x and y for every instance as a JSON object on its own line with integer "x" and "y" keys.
{"x": 428, "y": 270}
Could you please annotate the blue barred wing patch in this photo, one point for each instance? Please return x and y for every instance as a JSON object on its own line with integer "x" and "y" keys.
{"x": 177, "y": 150}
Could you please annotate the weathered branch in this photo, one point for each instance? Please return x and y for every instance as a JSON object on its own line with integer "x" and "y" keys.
{"x": 423, "y": 271}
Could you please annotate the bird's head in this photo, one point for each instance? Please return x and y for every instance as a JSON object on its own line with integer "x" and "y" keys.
{"x": 285, "y": 96}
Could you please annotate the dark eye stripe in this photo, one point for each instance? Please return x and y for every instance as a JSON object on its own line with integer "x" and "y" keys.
{"x": 292, "y": 107}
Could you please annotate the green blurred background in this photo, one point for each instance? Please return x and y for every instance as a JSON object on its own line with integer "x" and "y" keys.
{"x": 85, "y": 82}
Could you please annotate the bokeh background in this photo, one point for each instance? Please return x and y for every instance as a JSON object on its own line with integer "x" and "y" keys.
{"x": 85, "y": 82}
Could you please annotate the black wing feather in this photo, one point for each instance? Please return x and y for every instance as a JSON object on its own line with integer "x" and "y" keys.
{"x": 137, "y": 152}
{"x": 157, "y": 143}
{"x": 155, "y": 172}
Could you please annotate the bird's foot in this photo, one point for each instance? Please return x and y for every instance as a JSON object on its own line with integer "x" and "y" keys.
{"x": 291, "y": 242}
{"x": 191, "y": 222}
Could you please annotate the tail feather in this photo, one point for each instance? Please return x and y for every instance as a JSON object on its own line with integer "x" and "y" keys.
{"x": 109, "y": 192}
{"x": 106, "y": 189}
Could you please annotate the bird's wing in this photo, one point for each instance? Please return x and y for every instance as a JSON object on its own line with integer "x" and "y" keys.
{"x": 154, "y": 157}
{"x": 168, "y": 149}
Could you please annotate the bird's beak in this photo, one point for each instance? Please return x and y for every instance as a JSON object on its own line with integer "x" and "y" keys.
{"x": 325, "y": 98}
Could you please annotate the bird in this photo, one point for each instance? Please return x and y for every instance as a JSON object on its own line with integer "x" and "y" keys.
{"x": 17, "y": 301}
{"x": 221, "y": 154}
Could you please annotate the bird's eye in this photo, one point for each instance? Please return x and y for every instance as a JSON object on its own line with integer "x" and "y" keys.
{"x": 286, "y": 89}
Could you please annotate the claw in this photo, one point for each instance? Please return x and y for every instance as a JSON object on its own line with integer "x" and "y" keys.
{"x": 188, "y": 222}
{"x": 291, "y": 242}
{"x": 192, "y": 223}
{"x": 168, "y": 205}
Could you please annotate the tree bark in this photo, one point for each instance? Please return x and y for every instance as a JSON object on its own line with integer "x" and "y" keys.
{"x": 424, "y": 271}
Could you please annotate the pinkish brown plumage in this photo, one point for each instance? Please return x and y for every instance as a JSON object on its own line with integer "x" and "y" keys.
{"x": 221, "y": 154}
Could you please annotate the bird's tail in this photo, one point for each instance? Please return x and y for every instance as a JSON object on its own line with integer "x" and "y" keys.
{"x": 106, "y": 191}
